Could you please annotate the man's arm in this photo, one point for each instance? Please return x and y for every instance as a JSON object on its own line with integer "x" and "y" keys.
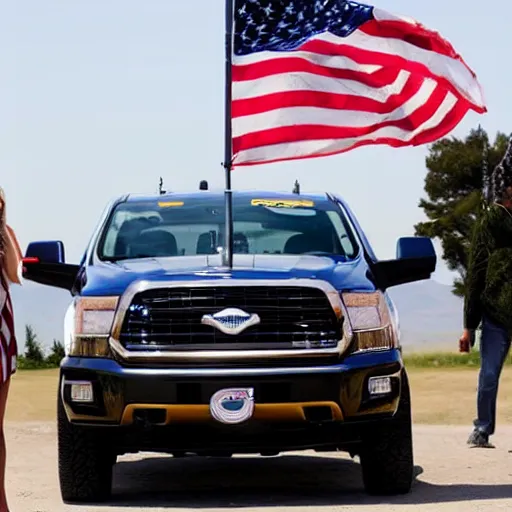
{"x": 476, "y": 274}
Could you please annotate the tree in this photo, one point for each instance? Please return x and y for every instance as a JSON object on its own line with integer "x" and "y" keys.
{"x": 455, "y": 186}
{"x": 57, "y": 353}
{"x": 33, "y": 350}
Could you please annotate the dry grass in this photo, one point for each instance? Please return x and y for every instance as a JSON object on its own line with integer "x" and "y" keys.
{"x": 33, "y": 396}
{"x": 439, "y": 396}
{"x": 448, "y": 396}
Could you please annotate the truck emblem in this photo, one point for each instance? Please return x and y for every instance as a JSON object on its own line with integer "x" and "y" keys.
{"x": 231, "y": 320}
{"x": 232, "y": 406}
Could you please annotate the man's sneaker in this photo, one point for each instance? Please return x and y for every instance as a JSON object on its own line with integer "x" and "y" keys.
{"x": 479, "y": 439}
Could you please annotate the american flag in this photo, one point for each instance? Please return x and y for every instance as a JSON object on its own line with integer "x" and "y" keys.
{"x": 8, "y": 346}
{"x": 313, "y": 78}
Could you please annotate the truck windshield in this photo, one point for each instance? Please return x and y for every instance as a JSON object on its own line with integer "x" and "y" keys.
{"x": 192, "y": 226}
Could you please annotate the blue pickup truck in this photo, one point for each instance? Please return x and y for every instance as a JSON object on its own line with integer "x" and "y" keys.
{"x": 294, "y": 347}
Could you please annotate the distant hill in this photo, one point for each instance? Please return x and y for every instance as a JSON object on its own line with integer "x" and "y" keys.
{"x": 430, "y": 315}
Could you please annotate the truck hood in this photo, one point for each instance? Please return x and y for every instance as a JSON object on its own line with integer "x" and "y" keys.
{"x": 106, "y": 278}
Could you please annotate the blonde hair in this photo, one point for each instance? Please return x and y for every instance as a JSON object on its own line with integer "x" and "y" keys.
{"x": 3, "y": 235}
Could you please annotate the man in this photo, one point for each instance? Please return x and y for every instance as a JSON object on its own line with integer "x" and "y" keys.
{"x": 488, "y": 297}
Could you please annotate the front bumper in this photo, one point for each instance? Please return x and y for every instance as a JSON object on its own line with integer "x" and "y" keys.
{"x": 127, "y": 396}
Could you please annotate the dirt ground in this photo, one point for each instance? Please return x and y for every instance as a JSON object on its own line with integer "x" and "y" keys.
{"x": 450, "y": 477}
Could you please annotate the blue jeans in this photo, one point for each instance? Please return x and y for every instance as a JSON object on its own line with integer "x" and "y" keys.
{"x": 494, "y": 347}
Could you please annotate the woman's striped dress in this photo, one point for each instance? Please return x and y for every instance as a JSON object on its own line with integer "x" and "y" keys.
{"x": 8, "y": 345}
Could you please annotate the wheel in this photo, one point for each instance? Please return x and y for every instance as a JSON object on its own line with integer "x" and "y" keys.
{"x": 85, "y": 462}
{"x": 386, "y": 456}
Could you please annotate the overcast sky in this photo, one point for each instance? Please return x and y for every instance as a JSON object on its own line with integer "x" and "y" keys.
{"x": 101, "y": 97}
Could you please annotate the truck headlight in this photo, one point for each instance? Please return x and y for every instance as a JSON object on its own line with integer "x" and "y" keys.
{"x": 371, "y": 321}
{"x": 87, "y": 326}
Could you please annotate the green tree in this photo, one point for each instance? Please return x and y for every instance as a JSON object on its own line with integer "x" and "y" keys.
{"x": 57, "y": 353}
{"x": 454, "y": 185}
{"x": 33, "y": 350}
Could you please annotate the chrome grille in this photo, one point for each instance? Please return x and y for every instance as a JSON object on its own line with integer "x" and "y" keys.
{"x": 170, "y": 319}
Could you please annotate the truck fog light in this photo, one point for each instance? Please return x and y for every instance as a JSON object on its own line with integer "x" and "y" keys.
{"x": 82, "y": 392}
{"x": 379, "y": 385}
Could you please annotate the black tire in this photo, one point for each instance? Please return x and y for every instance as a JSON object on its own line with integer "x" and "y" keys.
{"x": 85, "y": 462}
{"x": 386, "y": 456}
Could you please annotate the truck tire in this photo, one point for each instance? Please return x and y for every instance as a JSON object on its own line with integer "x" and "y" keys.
{"x": 85, "y": 462}
{"x": 386, "y": 456}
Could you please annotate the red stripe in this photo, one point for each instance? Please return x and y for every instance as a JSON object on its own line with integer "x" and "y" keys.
{"x": 8, "y": 318}
{"x": 451, "y": 120}
{"x": 333, "y": 101}
{"x": 287, "y": 134}
{"x": 387, "y": 61}
{"x": 283, "y": 65}
{"x": 415, "y": 34}
{"x": 5, "y": 372}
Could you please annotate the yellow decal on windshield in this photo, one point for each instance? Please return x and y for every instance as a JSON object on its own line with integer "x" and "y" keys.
{"x": 283, "y": 203}
{"x": 170, "y": 204}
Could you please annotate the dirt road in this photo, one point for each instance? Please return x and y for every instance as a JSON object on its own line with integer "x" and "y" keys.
{"x": 451, "y": 477}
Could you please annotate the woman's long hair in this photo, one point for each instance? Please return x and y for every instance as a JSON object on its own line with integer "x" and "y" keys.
{"x": 3, "y": 235}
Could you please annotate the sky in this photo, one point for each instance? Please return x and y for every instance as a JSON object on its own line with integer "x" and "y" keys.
{"x": 102, "y": 97}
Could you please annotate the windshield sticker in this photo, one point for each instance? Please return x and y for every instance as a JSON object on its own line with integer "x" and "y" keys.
{"x": 170, "y": 204}
{"x": 283, "y": 203}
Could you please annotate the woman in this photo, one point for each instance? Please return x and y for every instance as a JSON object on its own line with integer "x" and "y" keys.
{"x": 489, "y": 297}
{"x": 10, "y": 272}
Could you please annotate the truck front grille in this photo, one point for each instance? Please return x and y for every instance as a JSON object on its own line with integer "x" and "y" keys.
{"x": 170, "y": 319}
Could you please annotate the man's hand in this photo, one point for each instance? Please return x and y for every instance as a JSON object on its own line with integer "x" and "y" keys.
{"x": 465, "y": 341}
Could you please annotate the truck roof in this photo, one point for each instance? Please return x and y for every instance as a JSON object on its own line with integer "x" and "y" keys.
{"x": 263, "y": 194}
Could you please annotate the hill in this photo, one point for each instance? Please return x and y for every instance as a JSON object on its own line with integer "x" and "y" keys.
{"x": 430, "y": 315}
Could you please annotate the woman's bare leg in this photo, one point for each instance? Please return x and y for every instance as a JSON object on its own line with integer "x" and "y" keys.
{"x": 4, "y": 390}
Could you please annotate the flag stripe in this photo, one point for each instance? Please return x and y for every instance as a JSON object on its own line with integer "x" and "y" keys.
{"x": 302, "y": 150}
{"x": 293, "y": 64}
{"x": 8, "y": 346}
{"x": 248, "y": 68}
{"x": 306, "y": 131}
{"x": 413, "y": 34}
{"x": 379, "y": 51}
{"x": 403, "y": 113}
{"x": 322, "y": 99}
{"x": 311, "y": 82}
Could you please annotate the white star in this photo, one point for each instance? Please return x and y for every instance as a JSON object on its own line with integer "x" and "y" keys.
{"x": 261, "y": 30}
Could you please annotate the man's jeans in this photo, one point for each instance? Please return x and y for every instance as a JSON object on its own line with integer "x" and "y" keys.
{"x": 494, "y": 347}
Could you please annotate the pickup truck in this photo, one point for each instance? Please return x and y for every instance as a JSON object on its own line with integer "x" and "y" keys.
{"x": 295, "y": 346}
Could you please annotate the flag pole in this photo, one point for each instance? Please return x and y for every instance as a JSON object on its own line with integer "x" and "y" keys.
{"x": 227, "y": 253}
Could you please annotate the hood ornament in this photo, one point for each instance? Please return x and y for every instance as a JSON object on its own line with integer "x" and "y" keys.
{"x": 231, "y": 320}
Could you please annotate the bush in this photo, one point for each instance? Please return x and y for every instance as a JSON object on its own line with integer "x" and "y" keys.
{"x": 33, "y": 349}
{"x": 34, "y": 357}
{"x": 27, "y": 364}
{"x": 57, "y": 354}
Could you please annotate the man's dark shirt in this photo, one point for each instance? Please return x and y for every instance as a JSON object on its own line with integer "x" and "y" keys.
{"x": 489, "y": 278}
